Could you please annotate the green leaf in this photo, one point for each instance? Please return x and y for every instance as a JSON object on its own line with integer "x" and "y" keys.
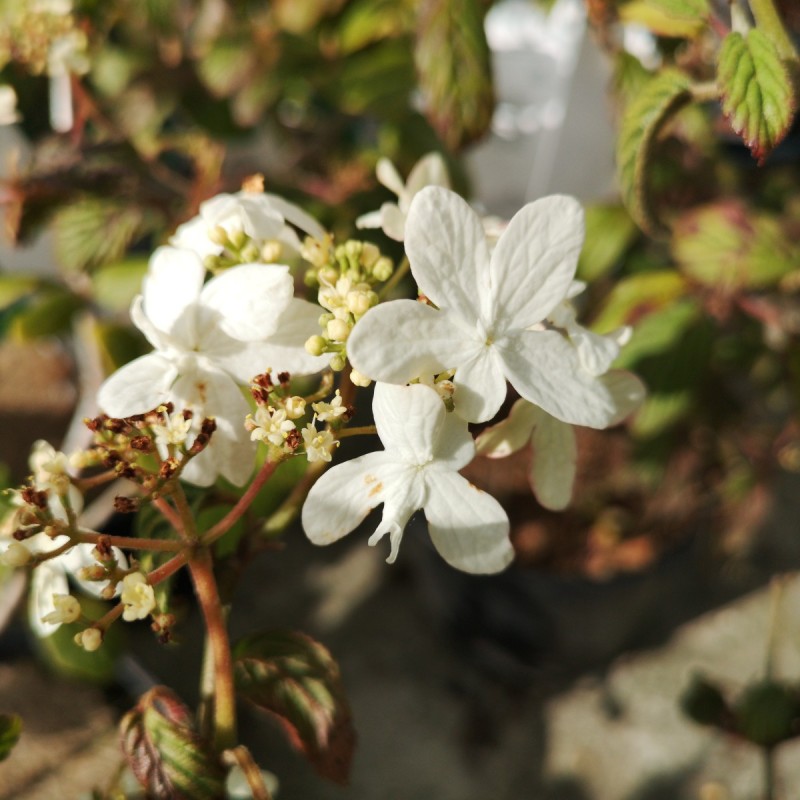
{"x": 609, "y": 233}
{"x": 757, "y": 94}
{"x": 659, "y": 100}
{"x": 635, "y": 297}
{"x": 679, "y": 18}
{"x": 48, "y": 313}
{"x": 14, "y": 287}
{"x": 91, "y": 232}
{"x": 454, "y": 68}
{"x": 295, "y": 678}
{"x": 226, "y": 66}
{"x": 10, "y": 731}
{"x": 165, "y": 751}
{"x": 368, "y": 21}
{"x": 729, "y": 246}
{"x": 116, "y": 285}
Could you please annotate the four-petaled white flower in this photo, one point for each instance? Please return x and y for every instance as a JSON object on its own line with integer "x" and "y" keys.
{"x": 430, "y": 170}
{"x": 319, "y": 444}
{"x": 263, "y": 217}
{"x": 326, "y": 412}
{"x": 490, "y": 309}
{"x": 555, "y": 452}
{"x": 137, "y": 596}
{"x": 425, "y": 448}
{"x": 208, "y": 339}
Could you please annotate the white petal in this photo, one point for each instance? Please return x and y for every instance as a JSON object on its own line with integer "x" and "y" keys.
{"x": 47, "y": 579}
{"x": 172, "y": 284}
{"x": 408, "y": 419}
{"x": 398, "y": 341}
{"x": 372, "y": 219}
{"x": 480, "y": 386}
{"x": 193, "y": 235}
{"x": 393, "y": 221}
{"x": 387, "y": 174}
{"x": 160, "y": 340}
{"x": 284, "y": 351}
{"x": 544, "y": 368}
{"x": 296, "y": 216}
{"x": 596, "y": 352}
{"x": 555, "y": 454}
{"x": 340, "y": 500}
{"x": 455, "y": 447}
{"x": 137, "y": 387}
{"x": 627, "y": 393}
{"x": 449, "y": 256}
{"x": 510, "y": 435}
{"x": 404, "y": 494}
{"x": 248, "y": 300}
{"x": 212, "y": 393}
{"x": 430, "y": 170}
{"x": 535, "y": 259}
{"x": 468, "y": 527}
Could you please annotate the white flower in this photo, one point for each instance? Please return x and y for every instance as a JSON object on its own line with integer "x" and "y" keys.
{"x": 263, "y": 217}
{"x": 208, "y": 339}
{"x": 175, "y": 430}
{"x": 552, "y": 471}
{"x": 430, "y": 170}
{"x": 66, "y": 609}
{"x": 8, "y": 105}
{"x": 595, "y": 351}
{"x": 137, "y": 596}
{"x": 318, "y": 444}
{"x": 270, "y": 425}
{"x": 327, "y": 412}
{"x": 487, "y": 307}
{"x": 425, "y": 448}
{"x": 49, "y": 467}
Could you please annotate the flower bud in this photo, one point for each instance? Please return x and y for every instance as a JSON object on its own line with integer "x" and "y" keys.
{"x": 358, "y": 379}
{"x": 369, "y": 255}
{"x": 218, "y": 235}
{"x": 66, "y": 609}
{"x": 295, "y": 407}
{"x": 359, "y": 303}
{"x": 15, "y": 555}
{"x": 316, "y": 346}
{"x": 89, "y": 639}
{"x": 328, "y": 275}
{"x": 338, "y": 330}
{"x": 337, "y": 362}
{"x": 271, "y": 251}
{"x": 383, "y": 269}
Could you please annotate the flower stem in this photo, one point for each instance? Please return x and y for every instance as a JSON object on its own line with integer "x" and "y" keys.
{"x": 225, "y": 524}
{"x": 363, "y": 430}
{"x": 768, "y": 20}
{"x": 398, "y": 275}
{"x": 168, "y": 512}
{"x": 129, "y": 542}
{"x": 205, "y": 587}
{"x": 240, "y": 756}
{"x": 289, "y": 508}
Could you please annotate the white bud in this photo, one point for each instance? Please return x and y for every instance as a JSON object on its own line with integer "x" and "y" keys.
{"x": 66, "y": 609}
{"x": 338, "y": 330}
{"x": 89, "y": 639}
{"x": 16, "y": 555}
{"x": 295, "y": 407}
{"x": 358, "y": 379}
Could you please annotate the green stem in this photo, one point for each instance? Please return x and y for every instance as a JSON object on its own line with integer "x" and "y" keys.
{"x": 363, "y": 430}
{"x": 769, "y": 21}
{"x": 225, "y": 524}
{"x": 224, "y": 714}
{"x": 396, "y": 277}
{"x": 769, "y": 773}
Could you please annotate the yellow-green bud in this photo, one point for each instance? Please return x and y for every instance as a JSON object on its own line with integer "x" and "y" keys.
{"x": 383, "y": 269}
{"x": 324, "y": 319}
{"x": 311, "y": 279}
{"x": 359, "y": 380}
{"x": 328, "y": 275}
{"x": 337, "y": 362}
{"x": 218, "y": 235}
{"x": 238, "y": 239}
{"x": 369, "y": 255}
{"x": 316, "y": 346}
{"x": 250, "y": 253}
{"x": 16, "y": 555}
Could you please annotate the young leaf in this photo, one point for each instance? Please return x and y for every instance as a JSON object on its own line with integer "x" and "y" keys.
{"x": 680, "y": 18}
{"x": 609, "y": 233}
{"x": 296, "y": 679}
{"x": 660, "y": 99}
{"x": 10, "y": 730}
{"x": 757, "y": 94}
{"x": 455, "y": 74}
{"x": 165, "y": 752}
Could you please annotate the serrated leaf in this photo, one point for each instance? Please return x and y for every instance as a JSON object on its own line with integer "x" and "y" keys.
{"x": 729, "y": 246}
{"x": 659, "y": 100}
{"x": 454, "y": 69}
{"x": 165, "y": 751}
{"x": 679, "y": 18}
{"x": 10, "y": 731}
{"x": 90, "y": 232}
{"x": 609, "y": 232}
{"x": 296, "y": 679}
{"x": 757, "y": 94}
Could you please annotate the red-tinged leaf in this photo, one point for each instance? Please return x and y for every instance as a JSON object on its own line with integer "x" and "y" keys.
{"x": 296, "y": 679}
{"x": 757, "y": 93}
{"x": 165, "y": 752}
